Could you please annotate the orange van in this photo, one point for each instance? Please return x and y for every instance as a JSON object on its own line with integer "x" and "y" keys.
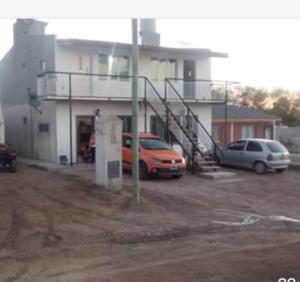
{"x": 156, "y": 156}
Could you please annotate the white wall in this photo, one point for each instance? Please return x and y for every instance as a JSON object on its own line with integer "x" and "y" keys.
{"x": 67, "y": 59}
{"x": 18, "y": 71}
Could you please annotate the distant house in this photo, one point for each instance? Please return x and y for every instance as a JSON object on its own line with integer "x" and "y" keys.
{"x": 241, "y": 123}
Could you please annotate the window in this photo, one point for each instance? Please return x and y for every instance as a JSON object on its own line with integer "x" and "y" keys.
{"x": 162, "y": 68}
{"x": 248, "y": 131}
{"x": 268, "y": 132}
{"x": 154, "y": 144}
{"x": 254, "y": 147}
{"x": 276, "y": 147}
{"x": 113, "y": 65}
{"x": 217, "y": 133}
{"x": 103, "y": 65}
{"x": 42, "y": 65}
{"x": 119, "y": 66}
{"x": 237, "y": 146}
{"x": 126, "y": 120}
{"x": 43, "y": 127}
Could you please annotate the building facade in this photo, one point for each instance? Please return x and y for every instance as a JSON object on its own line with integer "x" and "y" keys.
{"x": 51, "y": 88}
{"x": 241, "y": 123}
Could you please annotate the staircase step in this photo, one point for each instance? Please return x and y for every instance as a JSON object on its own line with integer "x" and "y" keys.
{"x": 209, "y": 168}
{"x": 204, "y": 162}
{"x": 221, "y": 176}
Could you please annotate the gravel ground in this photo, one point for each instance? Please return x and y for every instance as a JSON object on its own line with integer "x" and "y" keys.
{"x": 56, "y": 227}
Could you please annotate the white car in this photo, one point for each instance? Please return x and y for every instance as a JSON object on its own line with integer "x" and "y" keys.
{"x": 257, "y": 154}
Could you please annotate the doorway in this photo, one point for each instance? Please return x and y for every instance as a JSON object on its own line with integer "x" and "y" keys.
{"x": 84, "y": 125}
{"x": 189, "y": 75}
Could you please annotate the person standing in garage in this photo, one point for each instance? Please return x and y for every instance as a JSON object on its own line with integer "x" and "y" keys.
{"x": 93, "y": 146}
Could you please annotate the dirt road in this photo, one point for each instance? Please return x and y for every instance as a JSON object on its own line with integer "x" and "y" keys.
{"x": 55, "y": 227}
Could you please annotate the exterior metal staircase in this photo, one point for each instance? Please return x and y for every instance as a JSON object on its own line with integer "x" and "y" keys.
{"x": 183, "y": 126}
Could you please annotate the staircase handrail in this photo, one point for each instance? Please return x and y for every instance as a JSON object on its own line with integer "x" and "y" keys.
{"x": 216, "y": 147}
{"x": 169, "y": 110}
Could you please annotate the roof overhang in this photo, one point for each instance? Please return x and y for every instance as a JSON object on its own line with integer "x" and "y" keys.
{"x": 81, "y": 43}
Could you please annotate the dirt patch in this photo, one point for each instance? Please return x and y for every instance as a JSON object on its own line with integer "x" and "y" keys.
{"x": 56, "y": 227}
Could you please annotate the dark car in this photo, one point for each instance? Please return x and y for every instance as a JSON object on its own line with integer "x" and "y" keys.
{"x": 7, "y": 158}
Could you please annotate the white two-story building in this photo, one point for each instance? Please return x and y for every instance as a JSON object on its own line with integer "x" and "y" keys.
{"x": 50, "y": 88}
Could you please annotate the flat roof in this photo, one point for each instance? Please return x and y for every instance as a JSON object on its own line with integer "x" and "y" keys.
{"x": 96, "y": 43}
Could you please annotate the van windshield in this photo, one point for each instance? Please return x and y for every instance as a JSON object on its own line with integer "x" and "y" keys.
{"x": 154, "y": 144}
{"x": 276, "y": 147}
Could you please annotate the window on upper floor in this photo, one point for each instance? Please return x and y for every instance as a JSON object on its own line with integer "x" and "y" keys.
{"x": 103, "y": 65}
{"x": 113, "y": 65}
{"x": 120, "y": 66}
{"x": 162, "y": 68}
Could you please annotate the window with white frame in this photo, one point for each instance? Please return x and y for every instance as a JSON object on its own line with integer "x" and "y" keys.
{"x": 248, "y": 131}
{"x": 162, "y": 68}
{"x": 103, "y": 65}
{"x": 217, "y": 133}
{"x": 119, "y": 66}
{"x": 113, "y": 65}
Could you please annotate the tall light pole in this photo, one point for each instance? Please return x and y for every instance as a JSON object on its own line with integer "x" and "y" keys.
{"x": 135, "y": 109}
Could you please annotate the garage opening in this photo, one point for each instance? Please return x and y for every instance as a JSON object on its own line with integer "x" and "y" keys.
{"x": 84, "y": 125}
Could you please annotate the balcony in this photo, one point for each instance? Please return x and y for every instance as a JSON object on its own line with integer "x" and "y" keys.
{"x": 82, "y": 86}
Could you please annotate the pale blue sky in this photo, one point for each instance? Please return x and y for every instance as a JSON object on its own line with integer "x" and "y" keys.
{"x": 262, "y": 52}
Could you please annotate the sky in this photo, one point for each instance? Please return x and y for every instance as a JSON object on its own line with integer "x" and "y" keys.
{"x": 262, "y": 52}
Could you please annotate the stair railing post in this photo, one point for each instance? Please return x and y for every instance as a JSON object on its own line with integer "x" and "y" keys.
{"x": 166, "y": 89}
{"x": 193, "y": 157}
{"x": 145, "y": 105}
{"x": 167, "y": 133}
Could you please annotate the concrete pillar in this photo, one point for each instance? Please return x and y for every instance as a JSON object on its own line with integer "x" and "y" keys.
{"x": 108, "y": 131}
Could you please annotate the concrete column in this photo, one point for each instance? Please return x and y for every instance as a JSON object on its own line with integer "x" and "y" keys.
{"x": 108, "y": 131}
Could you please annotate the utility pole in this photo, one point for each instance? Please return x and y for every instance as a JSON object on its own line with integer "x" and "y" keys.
{"x": 135, "y": 109}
